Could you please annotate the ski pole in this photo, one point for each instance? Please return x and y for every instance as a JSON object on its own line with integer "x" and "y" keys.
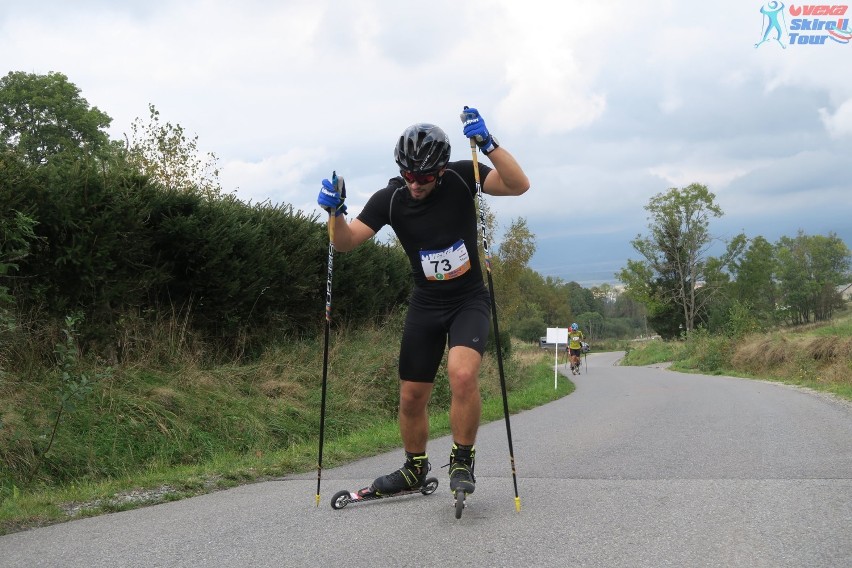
{"x": 337, "y": 182}
{"x": 494, "y": 316}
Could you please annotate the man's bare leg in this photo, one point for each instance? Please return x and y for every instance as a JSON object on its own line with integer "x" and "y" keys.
{"x": 466, "y": 405}
{"x": 414, "y": 429}
{"x": 465, "y": 411}
{"x": 414, "y": 416}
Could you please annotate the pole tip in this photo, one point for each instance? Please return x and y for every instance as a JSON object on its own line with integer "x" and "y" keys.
{"x": 318, "y": 499}
{"x": 518, "y": 504}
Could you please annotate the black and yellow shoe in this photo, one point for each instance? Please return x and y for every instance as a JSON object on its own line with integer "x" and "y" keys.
{"x": 412, "y": 475}
{"x": 462, "y": 459}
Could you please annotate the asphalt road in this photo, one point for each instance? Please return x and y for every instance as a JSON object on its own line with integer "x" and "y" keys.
{"x": 640, "y": 467}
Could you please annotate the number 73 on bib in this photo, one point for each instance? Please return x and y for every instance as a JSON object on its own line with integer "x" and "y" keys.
{"x": 445, "y": 264}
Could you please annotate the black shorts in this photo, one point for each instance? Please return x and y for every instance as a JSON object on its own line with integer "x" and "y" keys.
{"x": 429, "y": 328}
{"x": 576, "y": 352}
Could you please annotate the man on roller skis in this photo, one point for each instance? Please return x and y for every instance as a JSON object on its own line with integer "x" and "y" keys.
{"x": 431, "y": 208}
{"x": 575, "y": 347}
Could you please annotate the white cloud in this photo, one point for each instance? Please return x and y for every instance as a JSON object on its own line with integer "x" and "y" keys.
{"x": 550, "y": 70}
{"x": 703, "y": 171}
{"x": 838, "y": 124}
{"x": 277, "y": 178}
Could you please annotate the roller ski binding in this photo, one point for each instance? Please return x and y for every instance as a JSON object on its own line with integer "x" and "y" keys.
{"x": 462, "y": 480}
{"x": 408, "y": 480}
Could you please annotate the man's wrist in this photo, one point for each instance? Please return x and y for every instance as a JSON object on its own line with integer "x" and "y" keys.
{"x": 489, "y": 145}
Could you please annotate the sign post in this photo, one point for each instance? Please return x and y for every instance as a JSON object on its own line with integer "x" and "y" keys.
{"x": 556, "y": 335}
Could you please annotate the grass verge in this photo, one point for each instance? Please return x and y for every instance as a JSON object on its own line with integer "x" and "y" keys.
{"x": 815, "y": 356}
{"x": 157, "y": 482}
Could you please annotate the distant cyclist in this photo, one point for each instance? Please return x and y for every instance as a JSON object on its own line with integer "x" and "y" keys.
{"x": 575, "y": 347}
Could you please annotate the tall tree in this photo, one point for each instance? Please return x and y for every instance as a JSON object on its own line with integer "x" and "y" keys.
{"x": 754, "y": 284}
{"x": 514, "y": 254}
{"x": 809, "y": 270}
{"x": 44, "y": 115}
{"x": 643, "y": 285}
{"x": 676, "y": 252}
{"x": 580, "y": 300}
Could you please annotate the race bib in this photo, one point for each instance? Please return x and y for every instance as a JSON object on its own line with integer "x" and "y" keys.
{"x": 445, "y": 264}
{"x": 575, "y": 338}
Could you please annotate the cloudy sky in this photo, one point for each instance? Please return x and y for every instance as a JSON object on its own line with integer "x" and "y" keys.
{"x": 604, "y": 103}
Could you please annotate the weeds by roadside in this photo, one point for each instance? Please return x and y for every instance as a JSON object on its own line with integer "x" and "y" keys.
{"x": 814, "y": 356}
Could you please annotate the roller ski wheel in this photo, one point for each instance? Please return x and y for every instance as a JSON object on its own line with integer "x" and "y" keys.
{"x": 460, "y": 502}
{"x": 343, "y": 498}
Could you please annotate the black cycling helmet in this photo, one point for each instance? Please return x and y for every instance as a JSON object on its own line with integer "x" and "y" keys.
{"x": 422, "y": 148}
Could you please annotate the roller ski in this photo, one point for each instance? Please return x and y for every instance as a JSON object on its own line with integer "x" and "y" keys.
{"x": 411, "y": 478}
{"x": 462, "y": 480}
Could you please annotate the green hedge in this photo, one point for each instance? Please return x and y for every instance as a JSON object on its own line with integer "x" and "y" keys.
{"x": 113, "y": 246}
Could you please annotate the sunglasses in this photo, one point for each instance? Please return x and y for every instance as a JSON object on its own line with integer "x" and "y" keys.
{"x": 421, "y": 179}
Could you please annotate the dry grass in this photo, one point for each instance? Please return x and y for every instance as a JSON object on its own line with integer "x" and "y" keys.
{"x": 831, "y": 349}
{"x": 761, "y": 353}
{"x": 826, "y": 359}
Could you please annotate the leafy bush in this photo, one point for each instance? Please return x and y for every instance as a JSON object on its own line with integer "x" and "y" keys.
{"x": 110, "y": 244}
{"x": 741, "y": 320}
{"x": 530, "y": 329}
{"x": 706, "y": 352}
